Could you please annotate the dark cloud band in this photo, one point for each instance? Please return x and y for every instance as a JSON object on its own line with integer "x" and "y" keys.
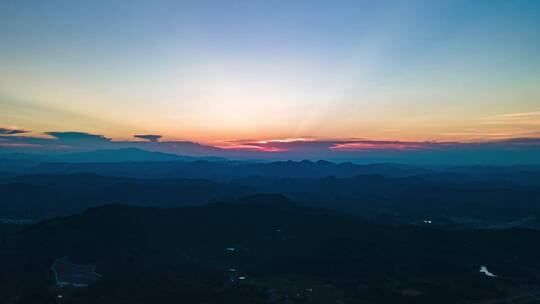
{"x": 149, "y": 137}
{"x": 5, "y": 131}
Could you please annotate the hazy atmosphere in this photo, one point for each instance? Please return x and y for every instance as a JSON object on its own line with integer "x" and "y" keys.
{"x": 270, "y": 152}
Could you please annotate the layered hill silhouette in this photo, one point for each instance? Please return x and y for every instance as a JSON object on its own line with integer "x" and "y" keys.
{"x": 161, "y": 227}
{"x": 403, "y": 198}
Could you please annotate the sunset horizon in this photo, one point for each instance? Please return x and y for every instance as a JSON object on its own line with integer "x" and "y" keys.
{"x": 415, "y": 72}
{"x": 269, "y": 151}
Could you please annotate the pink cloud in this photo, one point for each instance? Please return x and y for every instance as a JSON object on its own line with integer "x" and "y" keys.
{"x": 363, "y": 146}
{"x": 254, "y": 148}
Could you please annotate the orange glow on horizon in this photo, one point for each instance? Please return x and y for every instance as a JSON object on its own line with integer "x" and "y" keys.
{"x": 252, "y": 148}
{"x": 378, "y": 146}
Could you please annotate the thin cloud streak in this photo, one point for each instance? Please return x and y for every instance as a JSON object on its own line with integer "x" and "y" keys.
{"x": 523, "y": 118}
{"x": 149, "y": 137}
{"x": 9, "y": 131}
{"x": 522, "y": 114}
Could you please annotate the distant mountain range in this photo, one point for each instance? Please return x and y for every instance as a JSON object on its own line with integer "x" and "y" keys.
{"x": 35, "y": 187}
{"x": 137, "y": 163}
{"x": 105, "y": 156}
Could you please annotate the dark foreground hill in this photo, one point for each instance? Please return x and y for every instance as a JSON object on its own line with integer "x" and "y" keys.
{"x": 263, "y": 249}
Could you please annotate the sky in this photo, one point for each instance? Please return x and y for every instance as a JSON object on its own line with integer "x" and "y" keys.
{"x": 237, "y": 75}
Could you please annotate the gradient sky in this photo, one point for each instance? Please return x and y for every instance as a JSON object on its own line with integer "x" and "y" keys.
{"x": 217, "y": 72}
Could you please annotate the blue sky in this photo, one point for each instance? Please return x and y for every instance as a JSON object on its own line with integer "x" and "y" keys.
{"x": 220, "y": 72}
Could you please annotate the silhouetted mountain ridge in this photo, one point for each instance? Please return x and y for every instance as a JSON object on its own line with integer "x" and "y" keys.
{"x": 409, "y": 198}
